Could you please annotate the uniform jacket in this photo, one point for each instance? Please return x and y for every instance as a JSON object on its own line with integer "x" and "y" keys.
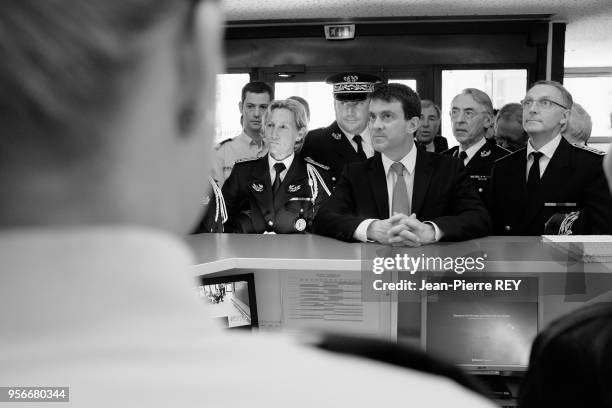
{"x": 573, "y": 181}
{"x": 250, "y": 204}
{"x": 480, "y": 165}
{"x": 442, "y": 193}
{"x": 330, "y": 147}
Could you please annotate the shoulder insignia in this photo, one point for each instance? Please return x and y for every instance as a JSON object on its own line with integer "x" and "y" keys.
{"x": 485, "y": 153}
{"x": 336, "y": 135}
{"x": 293, "y": 188}
{"x": 257, "y": 187}
{"x": 589, "y": 149}
{"x": 322, "y": 166}
{"x": 223, "y": 142}
{"x": 247, "y": 159}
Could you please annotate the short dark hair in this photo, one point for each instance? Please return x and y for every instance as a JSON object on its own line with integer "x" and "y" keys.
{"x": 411, "y": 103}
{"x": 511, "y": 112}
{"x": 64, "y": 67}
{"x": 426, "y": 103}
{"x": 567, "y": 97}
{"x": 257, "y": 87}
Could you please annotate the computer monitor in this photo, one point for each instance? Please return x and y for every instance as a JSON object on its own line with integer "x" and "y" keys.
{"x": 231, "y": 299}
{"x": 484, "y": 332}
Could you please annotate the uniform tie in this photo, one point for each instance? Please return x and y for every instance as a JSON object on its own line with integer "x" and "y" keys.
{"x": 359, "y": 141}
{"x": 534, "y": 174}
{"x": 278, "y": 167}
{"x": 401, "y": 201}
{"x": 463, "y": 155}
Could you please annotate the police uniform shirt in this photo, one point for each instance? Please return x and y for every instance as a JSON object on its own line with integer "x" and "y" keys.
{"x": 287, "y": 162}
{"x": 366, "y": 141}
{"x": 547, "y": 153}
{"x": 472, "y": 150}
{"x": 231, "y": 151}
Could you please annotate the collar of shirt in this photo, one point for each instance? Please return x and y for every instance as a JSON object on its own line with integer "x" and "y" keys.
{"x": 249, "y": 142}
{"x": 287, "y": 162}
{"x": 471, "y": 151}
{"x": 547, "y": 150}
{"x": 366, "y": 141}
{"x": 409, "y": 161}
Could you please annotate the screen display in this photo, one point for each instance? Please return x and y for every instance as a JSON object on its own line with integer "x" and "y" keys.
{"x": 489, "y": 330}
{"x": 231, "y": 300}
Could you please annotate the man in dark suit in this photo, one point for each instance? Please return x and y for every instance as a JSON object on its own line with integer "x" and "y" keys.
{"x": 549, "y": 177}
{"x": 472, "y": 116}
{"x": 384, "y": 198}
{"x": 427, "y": 136}
{"x": 279, "y": 192}
{"x": 347, "y": 140}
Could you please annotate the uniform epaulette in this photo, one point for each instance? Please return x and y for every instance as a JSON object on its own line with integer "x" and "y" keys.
{"x": 222, "y": 143}
{"x": 247, "y": 159}
{"x": 314, "y": 163}
{"x": 589, "y": 149}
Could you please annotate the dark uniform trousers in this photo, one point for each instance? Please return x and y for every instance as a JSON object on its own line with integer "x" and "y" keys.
{"x": 442, "y": 193}
{"x": 573, "y": 181}
{"x": 252, "y": 208}
{"x": 330, "y": 147}
{"x": 480, "y": 165}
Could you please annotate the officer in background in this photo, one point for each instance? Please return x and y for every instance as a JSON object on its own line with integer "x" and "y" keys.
{"x": 248, "y": 145}
{"x": 348, "y": 139}
{"x": 550, "y": 181}
{"x": 509, "y": 132}
{"x": 427, "y": 135}
{"x": 279, "y": 192}
{"x": 471, "y": 116}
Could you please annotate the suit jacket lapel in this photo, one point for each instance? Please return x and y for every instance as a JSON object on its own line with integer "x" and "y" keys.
{"x": 378, "y": 183}
{"x": 342, "y": 146}
{"x": 261, "y": 177}
{"x": 478, "y": 161}
{"x": 423, "y": 171}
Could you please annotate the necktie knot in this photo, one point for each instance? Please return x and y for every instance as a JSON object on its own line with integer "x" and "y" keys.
{"x": 398, "y": 168}
{"x": 536, "y": 155}
{"x": 279, "y": 167}
{"x": 357, "y": 139}
{"x": 463, "y": 155}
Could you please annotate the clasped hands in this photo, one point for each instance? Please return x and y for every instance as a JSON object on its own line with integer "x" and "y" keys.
{"x": 401, "y": 230}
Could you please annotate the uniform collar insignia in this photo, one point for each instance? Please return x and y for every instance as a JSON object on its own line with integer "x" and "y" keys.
{"x": 293, "y": 188}
{"x": 257, "y": 187}
{"x": 206, "y": 200}
{"x": 336, "y": 136}
{"x": 485, "y": 153}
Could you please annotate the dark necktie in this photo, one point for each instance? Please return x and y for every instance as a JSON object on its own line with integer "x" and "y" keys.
{"x": 400, "y": 201}
{"x": 357, "y": 139}
{"x": 534, "y": 174}
{"x": 463, "y": 155}
{"x": 278, "y": 167}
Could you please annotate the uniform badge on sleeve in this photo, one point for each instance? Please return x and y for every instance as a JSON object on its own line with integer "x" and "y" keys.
{"x": 336, "y": 136}
{"x": 257, "y": 187}
{"x": 485, "y": 153}
{"x": 293, "y": 188}
{"x": 300, "y": 224}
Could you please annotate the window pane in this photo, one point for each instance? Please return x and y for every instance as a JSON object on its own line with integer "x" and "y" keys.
{"x": 318, "y": 95}
{"x": 595, "y": 96}
{"x": 502, "y": 85}
{"x": 412, "y": 83}
{"x": 229, "y": 88}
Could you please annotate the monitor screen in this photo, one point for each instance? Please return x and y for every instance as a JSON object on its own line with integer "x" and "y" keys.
{"x": 231, "y": 299}
{"x": 483, "y": 332}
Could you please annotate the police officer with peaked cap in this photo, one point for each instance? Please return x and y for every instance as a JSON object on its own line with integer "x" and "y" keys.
{"x": 348, "y": 139}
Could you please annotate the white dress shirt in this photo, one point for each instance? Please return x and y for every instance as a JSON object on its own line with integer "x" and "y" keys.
{"x": 287, "y": 162}
{"x": 366, "y": 141}
{"x": 548, "y": 150}
{"x": 472, "y": 150}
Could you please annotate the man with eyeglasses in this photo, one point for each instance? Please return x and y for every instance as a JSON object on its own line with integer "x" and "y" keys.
{"x": 347, "y": 140}
{"x": 550, "y": 186}
{"x": 472, "y": 116}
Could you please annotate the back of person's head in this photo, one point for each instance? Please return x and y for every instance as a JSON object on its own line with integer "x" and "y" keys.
{"x": 257, "y": 87}
{"x": 579, "y": 125}
{"x": 394, "y": 92}
{"x": 83, "y": 92}
{"x": 509, "y": 132}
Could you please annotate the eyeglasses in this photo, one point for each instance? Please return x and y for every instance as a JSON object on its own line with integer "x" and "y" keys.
{"x": 544, "y": 104}
{"x": 467, "y": 114}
